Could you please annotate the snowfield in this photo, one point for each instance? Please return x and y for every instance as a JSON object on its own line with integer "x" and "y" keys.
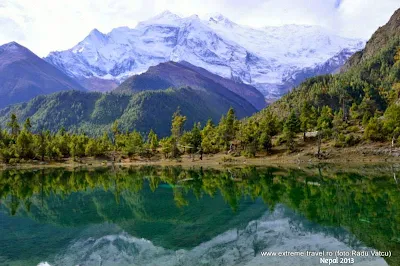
{"x": 273, "y": 59}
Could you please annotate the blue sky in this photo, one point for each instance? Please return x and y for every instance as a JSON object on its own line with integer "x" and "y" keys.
{"x": 48, "y": 25}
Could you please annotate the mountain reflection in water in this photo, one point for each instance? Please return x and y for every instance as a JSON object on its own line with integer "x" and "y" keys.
{"x": 176, "y": 216}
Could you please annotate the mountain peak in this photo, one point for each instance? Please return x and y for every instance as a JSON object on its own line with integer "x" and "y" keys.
{"x": 95, "y": 36}
{"x": 16, "y": 49}
{"x": 24, "y": 75}
{"x": 11, "y": 46}
{"x": 166, "y": 15}
{"x": 95, "y": 32}
{"x": 218, "y": 18}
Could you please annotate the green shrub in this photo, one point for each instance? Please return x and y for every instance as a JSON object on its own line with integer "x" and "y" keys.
{"x": 374, "y": 130}
{"x": 353, "y": 129}
{"x": 351, "y": 140}
{"x": 340, "y": 140}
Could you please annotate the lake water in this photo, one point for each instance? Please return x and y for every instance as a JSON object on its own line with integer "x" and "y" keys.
{"x": 172, "y": 216}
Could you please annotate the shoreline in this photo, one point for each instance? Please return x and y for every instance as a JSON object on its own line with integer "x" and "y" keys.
{"x": 354, "y": 156}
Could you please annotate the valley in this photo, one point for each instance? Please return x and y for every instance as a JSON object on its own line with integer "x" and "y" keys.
{"x": 177, "y": 109}
{"x": 182, "y": 139}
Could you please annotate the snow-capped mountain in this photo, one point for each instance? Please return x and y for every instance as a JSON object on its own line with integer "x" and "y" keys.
{"x": 273, "y": 59}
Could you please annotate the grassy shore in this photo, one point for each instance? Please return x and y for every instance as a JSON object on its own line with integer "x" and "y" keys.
{"x": 367, "y": 153}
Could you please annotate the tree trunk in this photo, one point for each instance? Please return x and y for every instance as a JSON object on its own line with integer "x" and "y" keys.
{"x": 344, "y": 110}
{"x": 319, "y": 145}
{"x": 392, "y": 145}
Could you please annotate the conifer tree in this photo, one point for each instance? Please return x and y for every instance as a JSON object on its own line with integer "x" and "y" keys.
{"x": 178, "y": 122}
{"x": 227, "y": 128}
{"x": 13, "y": 125}
{"x": 209, "y": 138}
{"x": 307, "y": 118}
{"x": 152, "y": 140}
{"x": 291, "y": 127}
{"x": 27, "y": 125}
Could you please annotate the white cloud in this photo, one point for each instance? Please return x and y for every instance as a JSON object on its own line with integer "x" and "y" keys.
{"x": 360, "y": 18}
{"x": 47, "y": 25}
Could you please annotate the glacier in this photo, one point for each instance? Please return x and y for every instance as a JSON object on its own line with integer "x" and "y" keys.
{"x": 272, "y": 59}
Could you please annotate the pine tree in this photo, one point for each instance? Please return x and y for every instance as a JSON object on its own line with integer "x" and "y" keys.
{"x": 133, "y": 143}
{"x": 178, "y": 122}
{"x": 227, "y": 128}
{"x": 307, "y": 118}
{"x": 41, "y": 145}
{"x": 27, "y": 125}
{"x": 291, "y": 127}
{"x": 24, "y": 144}
{"x": 13, "y": 125}
{"x": 115, "y": 131}
{"x": 167, "y": 146}
{"x": 324, "y": 125}
{"x": 196, "y": 137}
{"x": 152, "y": 140}
{"x": 92, "y": 148}
{"x": 209, "y": 138}
{"x": 325, "y": 119}
{"x": 249, "y": 136}
{"x": 397, "y": 55}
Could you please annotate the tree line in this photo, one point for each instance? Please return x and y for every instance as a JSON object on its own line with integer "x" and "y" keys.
{"x": 248, "y": 137}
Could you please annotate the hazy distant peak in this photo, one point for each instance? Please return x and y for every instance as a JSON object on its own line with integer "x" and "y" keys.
{"x": 165, "y": 17}
{"x": 218, "y": 18}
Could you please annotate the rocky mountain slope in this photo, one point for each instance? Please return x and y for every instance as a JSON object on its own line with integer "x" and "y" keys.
{"x": 176, "y": 75}
{"x": 379, "y": 39}
{"x": 142, "y": 102}
{"x": 273, "y": 59}
{"x": 23, "y": 75}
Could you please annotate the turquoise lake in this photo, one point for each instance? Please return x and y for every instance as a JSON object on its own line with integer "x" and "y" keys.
{"x": 176, "y": 216}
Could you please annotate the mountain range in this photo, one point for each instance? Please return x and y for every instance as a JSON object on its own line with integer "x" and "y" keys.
{"x": 366, "y": 87}
{"x": 182, "y": 62}
{"x": 272, "y": 59}
{"x": 23, "y": 75}
{"x": 143, "y": 102}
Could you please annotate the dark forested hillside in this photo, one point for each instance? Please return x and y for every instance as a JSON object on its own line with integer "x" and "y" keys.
{"x": 183, "y": 74}
{"x": 94, "y": 112}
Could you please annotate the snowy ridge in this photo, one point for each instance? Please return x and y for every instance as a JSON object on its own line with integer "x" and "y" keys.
{"x": 283, "y": 230}
{"x": 266, "y": 57}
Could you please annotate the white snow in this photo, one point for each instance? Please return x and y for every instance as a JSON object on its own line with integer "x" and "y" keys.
{"x": 264, "y": 57}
